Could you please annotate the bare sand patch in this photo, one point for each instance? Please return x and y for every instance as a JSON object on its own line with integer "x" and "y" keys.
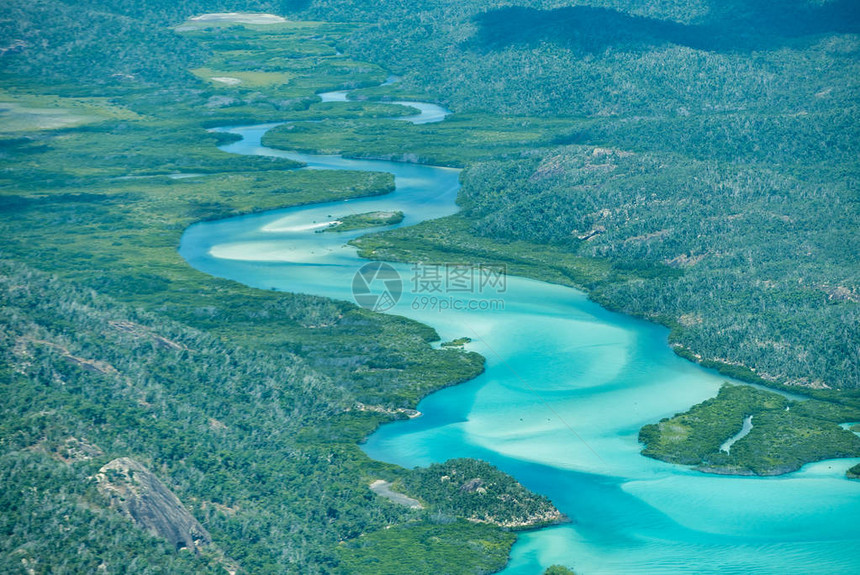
{"x": 17, "y": 118}
{"x": 28, "y": 112}
{"x": 226, "y": 80}
{"x": 383, "y": 489}
{"x": 239, "y": 18}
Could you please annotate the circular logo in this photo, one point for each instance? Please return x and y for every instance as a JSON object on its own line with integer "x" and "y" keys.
{"x": 377, "y": 286}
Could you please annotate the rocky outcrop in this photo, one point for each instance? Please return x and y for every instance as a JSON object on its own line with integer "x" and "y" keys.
{"x": 383, "y": 489}
{"x": 142, "y": 497}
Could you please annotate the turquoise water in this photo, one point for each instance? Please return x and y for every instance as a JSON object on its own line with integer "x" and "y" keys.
{"x": 567, "y": 387}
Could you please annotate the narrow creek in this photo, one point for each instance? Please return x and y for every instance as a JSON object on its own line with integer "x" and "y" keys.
{"x": 745, "y": 430}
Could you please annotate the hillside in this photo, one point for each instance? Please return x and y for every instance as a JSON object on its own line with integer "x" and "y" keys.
{"x": 244, "y": 408}
{"x": 691, "y": 148}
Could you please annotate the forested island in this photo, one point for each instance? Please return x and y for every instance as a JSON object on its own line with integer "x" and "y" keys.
{"x": 681, "y": 163}
{"x": 368, "y": 220}
{"x": 782, "y": 434}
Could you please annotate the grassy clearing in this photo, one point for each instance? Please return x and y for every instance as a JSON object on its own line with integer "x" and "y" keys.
{"x": 458, "y": 141}
{"x": 289, "y": 60}
{"x": 246, "y": 79}
{"x": 21, "y": 112}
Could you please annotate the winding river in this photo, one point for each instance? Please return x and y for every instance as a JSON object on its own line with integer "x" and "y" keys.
{"x": 567, "y": 387}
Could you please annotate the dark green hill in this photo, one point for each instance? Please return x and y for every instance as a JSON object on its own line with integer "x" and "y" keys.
{"x": 708, "y": 155}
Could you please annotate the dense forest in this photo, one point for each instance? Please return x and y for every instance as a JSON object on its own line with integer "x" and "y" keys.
{"x": 260, "y": 446}
{"x": 748, "y": 265}
{"x": 698, "y": 147}
{"x": 244, "y": 407}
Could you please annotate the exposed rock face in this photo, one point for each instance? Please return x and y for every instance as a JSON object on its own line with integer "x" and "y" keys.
{"x": 383, "y": 489}
{"x": 141, "y": 496}
{"x": 472, "y": 485}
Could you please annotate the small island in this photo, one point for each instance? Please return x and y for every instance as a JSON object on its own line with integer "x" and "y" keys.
{"x": 718, "y": 436}
{"x": 479, "y": 493}
{"x": 367, "y": 220}
{"x": 854, "y": 472}
{"x": 457, "y": 343}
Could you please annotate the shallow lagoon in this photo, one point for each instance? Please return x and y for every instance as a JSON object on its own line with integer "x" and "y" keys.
{"x": 567, "y": 387}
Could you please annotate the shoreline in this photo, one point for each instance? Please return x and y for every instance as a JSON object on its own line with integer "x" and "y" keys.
{"x": 529, "y": 276}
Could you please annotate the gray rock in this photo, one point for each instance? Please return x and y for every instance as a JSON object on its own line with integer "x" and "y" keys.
{"x": 141, "y": 496}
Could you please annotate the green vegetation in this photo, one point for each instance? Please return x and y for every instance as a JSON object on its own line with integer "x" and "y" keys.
{"x": 784, "y": 436}
{"x": 599, "y": 60}
{"x": 126, "y": 382}
{"x": 684, "y": 147}
{"x": 368, "y": 220}
{"x": 854, "y": 472}
{"x": 249, "y": 405}
{"x": 682, "y": 165}
{"x": 567, "y": 216}
{"x": 458, "y": 141}
{"x": 284, "y": 61}
{"x": 427, "y": 548}
{"x": 459, "y": 342}
{"x": 558, "y": 570}
{"x": 687, "y": 270}
{"x": 32, "y": 112}
{"x": 479, "y": 492}
{"x": 447, "y": 239}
